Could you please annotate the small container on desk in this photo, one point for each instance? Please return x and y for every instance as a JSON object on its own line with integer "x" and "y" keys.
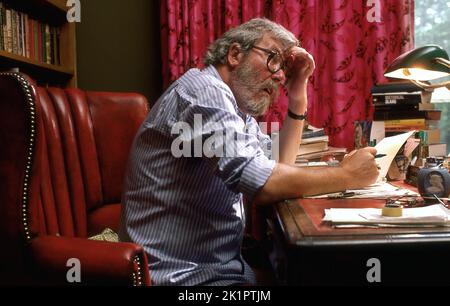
{"x": 433, "y": 180}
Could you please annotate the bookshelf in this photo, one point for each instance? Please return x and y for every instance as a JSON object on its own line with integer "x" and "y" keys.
{"x": 57, "y": 67}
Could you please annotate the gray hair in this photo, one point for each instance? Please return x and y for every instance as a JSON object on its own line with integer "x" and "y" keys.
{"x": 246, "y": 35}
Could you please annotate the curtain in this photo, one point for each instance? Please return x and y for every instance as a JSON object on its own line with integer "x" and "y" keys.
{"x": 352, "y": 42}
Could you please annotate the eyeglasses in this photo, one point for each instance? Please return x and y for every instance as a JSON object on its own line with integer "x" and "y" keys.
{"x": 275, "y": 61}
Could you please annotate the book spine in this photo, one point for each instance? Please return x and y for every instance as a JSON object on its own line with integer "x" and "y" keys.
{"x": 22, "y": 49}
{"x": 39, "y": 40}
{"x": 396, "y": 107}
{"x": 26, "y": 35}
{"x": 19, "y": 34}
{"x": 386, "y": 99}
{"x": 2, "y": 27}
{"x": 405, "y": 125}
{"x": 9, "y": 44}
{"x": 407, "y": 114}
{"x": 14, "y": 31}
{"x": 55, "y": 45}
{"x": 58, "y": 46}
{"x": 395, "y": 87}
{"x": 31, "y": 38}
{"x": 36, "y": 39}
{"x": 48, "y": 50}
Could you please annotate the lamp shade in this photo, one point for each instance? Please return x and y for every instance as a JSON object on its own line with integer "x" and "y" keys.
{"x": 419, "y": 64}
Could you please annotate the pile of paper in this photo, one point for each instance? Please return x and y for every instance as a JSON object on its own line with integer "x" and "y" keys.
{"x": 380, "y": 190}
{"x": 433, "y": 215}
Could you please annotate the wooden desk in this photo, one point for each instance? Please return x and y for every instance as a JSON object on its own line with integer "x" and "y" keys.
{"x": 309, "y": 252}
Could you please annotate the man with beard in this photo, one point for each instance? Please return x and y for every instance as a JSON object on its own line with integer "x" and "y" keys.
{"x": 184, "y": 205}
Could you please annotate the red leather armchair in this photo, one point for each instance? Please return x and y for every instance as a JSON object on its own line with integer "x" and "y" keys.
{"x": 63, "y": 154}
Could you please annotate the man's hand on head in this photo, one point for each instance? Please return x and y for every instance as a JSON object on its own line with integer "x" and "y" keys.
{"x": 299, "y": 67}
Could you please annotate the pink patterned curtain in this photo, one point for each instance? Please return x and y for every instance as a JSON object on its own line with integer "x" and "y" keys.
{"x": 351, "y": 43}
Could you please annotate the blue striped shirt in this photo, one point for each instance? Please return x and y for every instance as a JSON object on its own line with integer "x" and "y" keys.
{"x": 187, "y": 212}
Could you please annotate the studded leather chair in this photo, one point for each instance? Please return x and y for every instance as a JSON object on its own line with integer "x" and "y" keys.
{"x": 63, "y": 154}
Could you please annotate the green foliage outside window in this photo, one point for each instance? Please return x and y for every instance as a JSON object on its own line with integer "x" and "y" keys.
{"x": 432, "y": 26}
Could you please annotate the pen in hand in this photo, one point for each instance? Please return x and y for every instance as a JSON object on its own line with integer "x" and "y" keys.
{"x": 380, "y": 155}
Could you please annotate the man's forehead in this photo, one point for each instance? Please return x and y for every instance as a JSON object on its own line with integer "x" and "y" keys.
{"x": 270, "y": 42}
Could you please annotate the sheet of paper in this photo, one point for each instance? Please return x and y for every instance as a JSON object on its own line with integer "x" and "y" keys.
{"x": 430, "y": 215}
{"x": 389, "y": 146}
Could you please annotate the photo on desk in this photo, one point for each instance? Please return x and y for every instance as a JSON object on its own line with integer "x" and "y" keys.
{"x": 362, "y": 133}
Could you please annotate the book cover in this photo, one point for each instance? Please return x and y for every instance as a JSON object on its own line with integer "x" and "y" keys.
{"x": 396, "y": 98}
{"x": 309, "y": 134}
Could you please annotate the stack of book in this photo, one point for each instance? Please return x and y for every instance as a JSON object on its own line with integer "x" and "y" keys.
{"x": 404, "y": 106}
{"x": 314, "y": 146}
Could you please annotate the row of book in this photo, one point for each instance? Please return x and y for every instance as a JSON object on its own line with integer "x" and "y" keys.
{"x": 22, "y": 35}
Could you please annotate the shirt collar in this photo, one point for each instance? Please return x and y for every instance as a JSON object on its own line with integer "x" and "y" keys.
{"x": 213, "y": 71}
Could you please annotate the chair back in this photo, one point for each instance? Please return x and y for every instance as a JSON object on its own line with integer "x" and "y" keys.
{"x": 63, "y": 154}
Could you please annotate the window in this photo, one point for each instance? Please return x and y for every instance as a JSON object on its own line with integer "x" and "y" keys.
{"x": 432, "y": 26}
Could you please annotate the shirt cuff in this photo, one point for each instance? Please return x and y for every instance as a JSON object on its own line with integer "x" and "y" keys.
{"x": 255, "y": 175}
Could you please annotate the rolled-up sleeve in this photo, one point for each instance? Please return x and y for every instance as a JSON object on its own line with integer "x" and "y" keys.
{"x": 255, "y": 175}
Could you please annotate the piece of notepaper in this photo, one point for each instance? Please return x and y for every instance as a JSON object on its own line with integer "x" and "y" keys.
{"x": 389, "y": 146}
{"x": 430, "y": 215}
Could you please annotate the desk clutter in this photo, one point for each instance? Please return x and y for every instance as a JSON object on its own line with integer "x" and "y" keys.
{"x": 381, "y": 190}
{"x": 401, "y": 107}
{"x": 403, "y": 207}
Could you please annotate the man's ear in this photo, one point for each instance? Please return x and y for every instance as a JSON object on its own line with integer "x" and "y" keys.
{"x": 234, "y": 55}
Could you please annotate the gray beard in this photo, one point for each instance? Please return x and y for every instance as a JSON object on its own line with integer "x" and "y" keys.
{"x": 246, "y": 91}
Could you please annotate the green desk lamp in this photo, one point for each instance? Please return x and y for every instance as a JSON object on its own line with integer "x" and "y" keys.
{"x": 421, "y": 65}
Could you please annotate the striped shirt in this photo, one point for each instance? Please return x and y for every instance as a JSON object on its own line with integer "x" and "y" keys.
{"x": 187, "y": 212}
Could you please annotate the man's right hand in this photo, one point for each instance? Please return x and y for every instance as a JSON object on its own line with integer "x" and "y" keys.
{"x": 361, "y": 167}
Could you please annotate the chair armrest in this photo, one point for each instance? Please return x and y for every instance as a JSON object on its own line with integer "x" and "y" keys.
{"x": 101, "y": 263}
